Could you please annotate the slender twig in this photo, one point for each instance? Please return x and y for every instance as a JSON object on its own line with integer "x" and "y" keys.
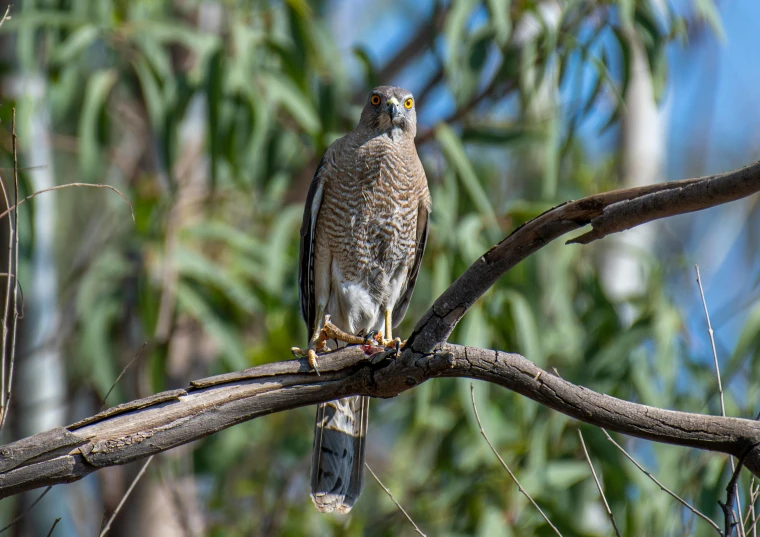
{"x": 599, "y": 485}
{"x": 7, "y": 16}
{"x": 753, "y": 493}
{"x": 712, "y": 344}
{"x": 103, "y": 521}
{"x": 22, "y": 515}
{"x": 6, "y": 379}
{"x": 663, "y": 487}
{"x": 748, "y": 516}
{"x": 126, "y": 495}
{"x": 711, "y": 334}
{"x": 729, "y": 514}
{"x": 115, "y": 382}
{"x": 388, "y": 492}
{"x": 504, "y": 464}
{"x": 26, "y": 168}
{"x": 753, "y": 496}
{"x": 59, "y": 187}
{"x": 20, "y": 290}
{"x": 13, "y": 269}
{"x": 3, "y": 375}
{"x": 57, "y": 520}
{"x": 753, "y": 527}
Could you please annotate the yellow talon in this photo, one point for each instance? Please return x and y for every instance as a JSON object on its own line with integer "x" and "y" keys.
{"x": 395, "y": 342}
{"x": 318, "y": 343}
{"x": 312, "y": 355}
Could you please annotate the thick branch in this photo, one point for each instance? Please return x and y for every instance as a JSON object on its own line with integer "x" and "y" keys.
{"x": 607, "y": 213}
{"x": 141, "y": 428}
{"x": 714, "y": 433}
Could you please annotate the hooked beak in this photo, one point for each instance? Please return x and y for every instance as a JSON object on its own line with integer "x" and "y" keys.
{"x": 393, "y": 108}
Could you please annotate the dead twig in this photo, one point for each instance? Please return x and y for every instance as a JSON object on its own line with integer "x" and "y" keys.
{"x": 57, "y": 520}
{"x": 126, "y": 495}
{"x": 6, "y": 16}
{"x": 20, "y": 290}
{"x": 683, "y": 502}
{"x": 504, "y": 464}
{"x": 712, "y": 344}
{"x": 3, "y": 375}
{"x": 753, "y": 493}
{"x": 5, "y": 384}
{"x": 59, "y": 187}
{"x": 599, "y": 485}
{"x": 388, "y": 492}
{"x": 13, "y": 269}
{"x": 753, "y": 527}
{"x": 115, "y": 382}
{"x": 711, "y": 334}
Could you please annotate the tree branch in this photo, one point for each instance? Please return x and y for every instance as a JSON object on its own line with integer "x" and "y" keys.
{"x": 607, "y": 213}
{"x": 147, "y": 426}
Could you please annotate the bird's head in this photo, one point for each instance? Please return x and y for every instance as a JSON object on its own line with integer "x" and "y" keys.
{"x": 390, "y": 109}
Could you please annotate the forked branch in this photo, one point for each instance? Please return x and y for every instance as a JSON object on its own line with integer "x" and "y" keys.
{"x": 144, "y": 427}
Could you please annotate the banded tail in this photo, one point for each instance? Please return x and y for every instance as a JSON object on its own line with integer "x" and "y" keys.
{"x": 337, "y": 463}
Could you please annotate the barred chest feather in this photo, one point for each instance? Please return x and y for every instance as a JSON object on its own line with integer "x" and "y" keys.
{"x": 372, "y": 227}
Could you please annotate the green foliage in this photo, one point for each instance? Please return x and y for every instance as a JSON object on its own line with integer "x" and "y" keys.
{"x": 211, "y": 118}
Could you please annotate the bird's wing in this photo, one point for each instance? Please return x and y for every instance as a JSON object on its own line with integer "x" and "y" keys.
{"x": 423, "y": 217}
{"x": 306, "y": 257}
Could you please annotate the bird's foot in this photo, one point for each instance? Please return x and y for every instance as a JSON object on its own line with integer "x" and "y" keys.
{"x": 318, "y": 343}
{"x": 375, "y": 343}
{"x": 310, "y": 353}
{"x": 330, "y": 331}
{"x": 312, "y": 356}
{"x": 385, "y": 350}
{"x": 317, "y": 346}
{"x": 394, "y": 343}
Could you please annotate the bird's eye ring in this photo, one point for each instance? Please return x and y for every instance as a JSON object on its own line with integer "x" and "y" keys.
{"x": 375, "y": 100}
{"x": 408, "y": 103}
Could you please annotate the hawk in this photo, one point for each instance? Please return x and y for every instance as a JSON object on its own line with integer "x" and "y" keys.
{"x": 363, "y": 234}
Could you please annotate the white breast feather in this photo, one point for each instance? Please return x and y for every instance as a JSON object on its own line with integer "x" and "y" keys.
{"x": 352, "y": 305}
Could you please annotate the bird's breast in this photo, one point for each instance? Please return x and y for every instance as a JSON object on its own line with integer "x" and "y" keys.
{"x": 372, "y": 216}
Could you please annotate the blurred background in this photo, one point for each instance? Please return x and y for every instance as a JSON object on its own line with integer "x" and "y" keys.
{"x": 211, "y": 116}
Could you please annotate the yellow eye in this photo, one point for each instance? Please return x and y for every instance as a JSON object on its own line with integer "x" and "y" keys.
{"x": 408, "y": 103}
{"x": 375, "y": 100}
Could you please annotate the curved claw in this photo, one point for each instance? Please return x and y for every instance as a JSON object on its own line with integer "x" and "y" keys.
{"x": 309, "y": 353}
{"x": 312, "y": 355}
{"x": 371, "y": 337}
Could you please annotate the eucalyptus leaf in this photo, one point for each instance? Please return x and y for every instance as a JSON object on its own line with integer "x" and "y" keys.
{"x": 96, "y": 93}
